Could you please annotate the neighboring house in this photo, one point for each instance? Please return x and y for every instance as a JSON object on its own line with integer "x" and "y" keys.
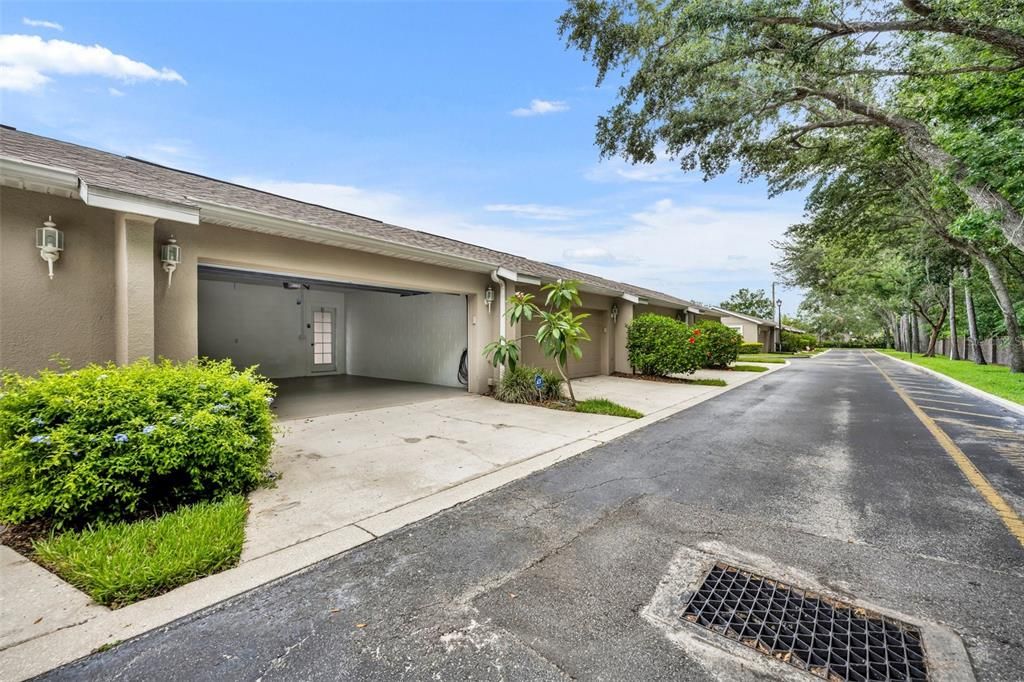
{"x": 754, "y": 329}
{"x": 299, "y": 289}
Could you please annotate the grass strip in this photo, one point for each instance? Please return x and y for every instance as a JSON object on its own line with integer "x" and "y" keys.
{"x": 748, "y": 368}
{"x": 994, "y": 379}
{"x": 120, "y": 563}
{"x": 605, "y": 406}
{"x": 770, "y": 358}
{"x": 705, "y": 382}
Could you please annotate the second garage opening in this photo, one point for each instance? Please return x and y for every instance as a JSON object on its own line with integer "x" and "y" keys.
{"x": 334, "y": 346}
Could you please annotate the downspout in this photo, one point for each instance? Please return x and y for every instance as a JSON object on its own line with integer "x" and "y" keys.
{"x": 501, "y": 315}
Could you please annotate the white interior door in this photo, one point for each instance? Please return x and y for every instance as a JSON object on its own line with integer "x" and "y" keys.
{"x": 324, "y": 348}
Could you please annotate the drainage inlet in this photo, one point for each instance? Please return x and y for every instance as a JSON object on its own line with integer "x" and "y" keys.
{"x": 828, "y": 638}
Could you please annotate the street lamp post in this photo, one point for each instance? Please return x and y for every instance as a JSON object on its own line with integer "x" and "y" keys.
{"x": 778, "y": 304}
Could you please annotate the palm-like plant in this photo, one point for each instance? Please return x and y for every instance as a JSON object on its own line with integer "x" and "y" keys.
{"x": 559, "y": 333}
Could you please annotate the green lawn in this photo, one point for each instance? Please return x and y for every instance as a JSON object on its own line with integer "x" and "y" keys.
{"x": 120, "y": 563}
{"x": 604, "y": 406}
{"x": 748, "y": 368}
{"x": 705, "y": 382}
{"x": 995, "y": 379}
{"x": 772, "y": 358}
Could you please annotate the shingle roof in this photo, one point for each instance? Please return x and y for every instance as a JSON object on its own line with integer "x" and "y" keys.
{"x": 152, "y": 181}
{"x": 758, "y": 320}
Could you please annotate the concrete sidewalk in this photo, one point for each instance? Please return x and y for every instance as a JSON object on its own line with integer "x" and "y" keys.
{"x": 346, "y": 479}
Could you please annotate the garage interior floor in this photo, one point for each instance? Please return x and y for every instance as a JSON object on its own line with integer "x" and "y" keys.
{"x": 316, "y": 396}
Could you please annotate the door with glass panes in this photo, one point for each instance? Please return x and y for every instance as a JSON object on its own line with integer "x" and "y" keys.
{"x": 323, "y": 340}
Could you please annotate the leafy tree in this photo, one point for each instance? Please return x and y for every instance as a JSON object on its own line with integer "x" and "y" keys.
{"x": 718, "y": 81}
{"x": 749, "y": 302}
{"x": 559, "y": 333}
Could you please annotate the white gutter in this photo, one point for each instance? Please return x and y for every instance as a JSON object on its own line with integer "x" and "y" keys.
{"x": 513, "y": 276}
{"x": 501, "y": 312}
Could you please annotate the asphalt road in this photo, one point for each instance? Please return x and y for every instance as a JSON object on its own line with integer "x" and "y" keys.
{"x": 820, "y": 470}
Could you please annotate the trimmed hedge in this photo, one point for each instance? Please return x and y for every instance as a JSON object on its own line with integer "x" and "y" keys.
{"x": 792, "y": 342}
{"x": 658, "y": 346}
{"x": 752, "y": 347}
{"x": 108, "y": 443}
{"x": 720, "y": 344}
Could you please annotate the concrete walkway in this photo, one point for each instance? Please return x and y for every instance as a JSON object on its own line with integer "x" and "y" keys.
{"x": 346, "y": 479}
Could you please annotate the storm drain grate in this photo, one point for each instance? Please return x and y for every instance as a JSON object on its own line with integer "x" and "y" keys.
{"x": 830, "y": 639}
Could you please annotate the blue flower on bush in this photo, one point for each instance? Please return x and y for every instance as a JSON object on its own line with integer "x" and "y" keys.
{"x": 219, "y": 407}
{"x": 37, "y": 421}
{"x": 39, "y": 439}
{"x": 148, "y": 429}
{"x": 270, "y": 400}
{"x": 120, "y": 437}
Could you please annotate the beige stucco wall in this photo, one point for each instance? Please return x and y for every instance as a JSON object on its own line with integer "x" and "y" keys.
{"x": 71, "y": 315}
{"x": 752, "y": 332}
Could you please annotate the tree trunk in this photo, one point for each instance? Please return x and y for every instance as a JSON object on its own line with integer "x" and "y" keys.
{"x": 972, "y": 346}
{"x": 954, "y": 351}
{"x": 568, "y": 382}
{"x": 1006, "y": 306}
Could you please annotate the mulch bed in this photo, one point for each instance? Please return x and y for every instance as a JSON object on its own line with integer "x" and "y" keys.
{"x": 20, "y": 537}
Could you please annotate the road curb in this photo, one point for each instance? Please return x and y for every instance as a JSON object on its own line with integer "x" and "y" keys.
{"x": 1001, "y": 402}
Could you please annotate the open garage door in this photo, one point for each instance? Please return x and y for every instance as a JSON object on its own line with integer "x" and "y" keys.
{"x": 295, "y": 328}
{"x": 588, "y": 365}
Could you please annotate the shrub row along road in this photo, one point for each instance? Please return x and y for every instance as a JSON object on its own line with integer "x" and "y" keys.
{"x": 822, "y": 471}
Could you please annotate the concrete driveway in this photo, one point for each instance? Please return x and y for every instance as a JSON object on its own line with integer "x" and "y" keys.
{"x": 351, "y": 468}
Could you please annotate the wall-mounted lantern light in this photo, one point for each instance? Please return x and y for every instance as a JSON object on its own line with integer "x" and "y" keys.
{"x": 170, "y": 256}
{"x": 50, "y": 242}
{"x": 614, "y": 312}
{"x": 489, "y": 297}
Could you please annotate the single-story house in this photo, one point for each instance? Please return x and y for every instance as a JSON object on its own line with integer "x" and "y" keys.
{"x": 754, "y": 329}
{"x": 149, "y": 261}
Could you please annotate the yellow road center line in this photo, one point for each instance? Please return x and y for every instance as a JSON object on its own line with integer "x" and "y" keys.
{"x": 1010, "y": 518}
{"x": 972, "y": 414}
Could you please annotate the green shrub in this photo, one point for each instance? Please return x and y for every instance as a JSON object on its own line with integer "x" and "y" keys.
{"x": 751, "y": 348}
{"x": 119, "y": 563}
{"x": 106, "y": 443}
{"x": 658, "y": 346}
{"x": 519, "y": 385}
{"x": 792, "y": 342}
{"x": 605, "y": 406}
{"x": 720, "y": 345}
{"x": 553, "y": 383}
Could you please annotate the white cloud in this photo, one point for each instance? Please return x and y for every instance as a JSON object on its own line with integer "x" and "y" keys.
{"x": 114, "y": 92}
{"x": 42, "y": 23}
{"x": 537, "y": 211}
{"x": 617, "y": 169}
{"x": 539, "y": 107}
{"x": 588, "y": 254}
{"x": 26, "y": 60}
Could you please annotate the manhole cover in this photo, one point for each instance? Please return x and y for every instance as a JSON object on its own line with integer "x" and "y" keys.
{"x": 828, "y": 638}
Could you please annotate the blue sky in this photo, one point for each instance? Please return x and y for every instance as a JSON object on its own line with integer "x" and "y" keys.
{"x": 466, "y": 119}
